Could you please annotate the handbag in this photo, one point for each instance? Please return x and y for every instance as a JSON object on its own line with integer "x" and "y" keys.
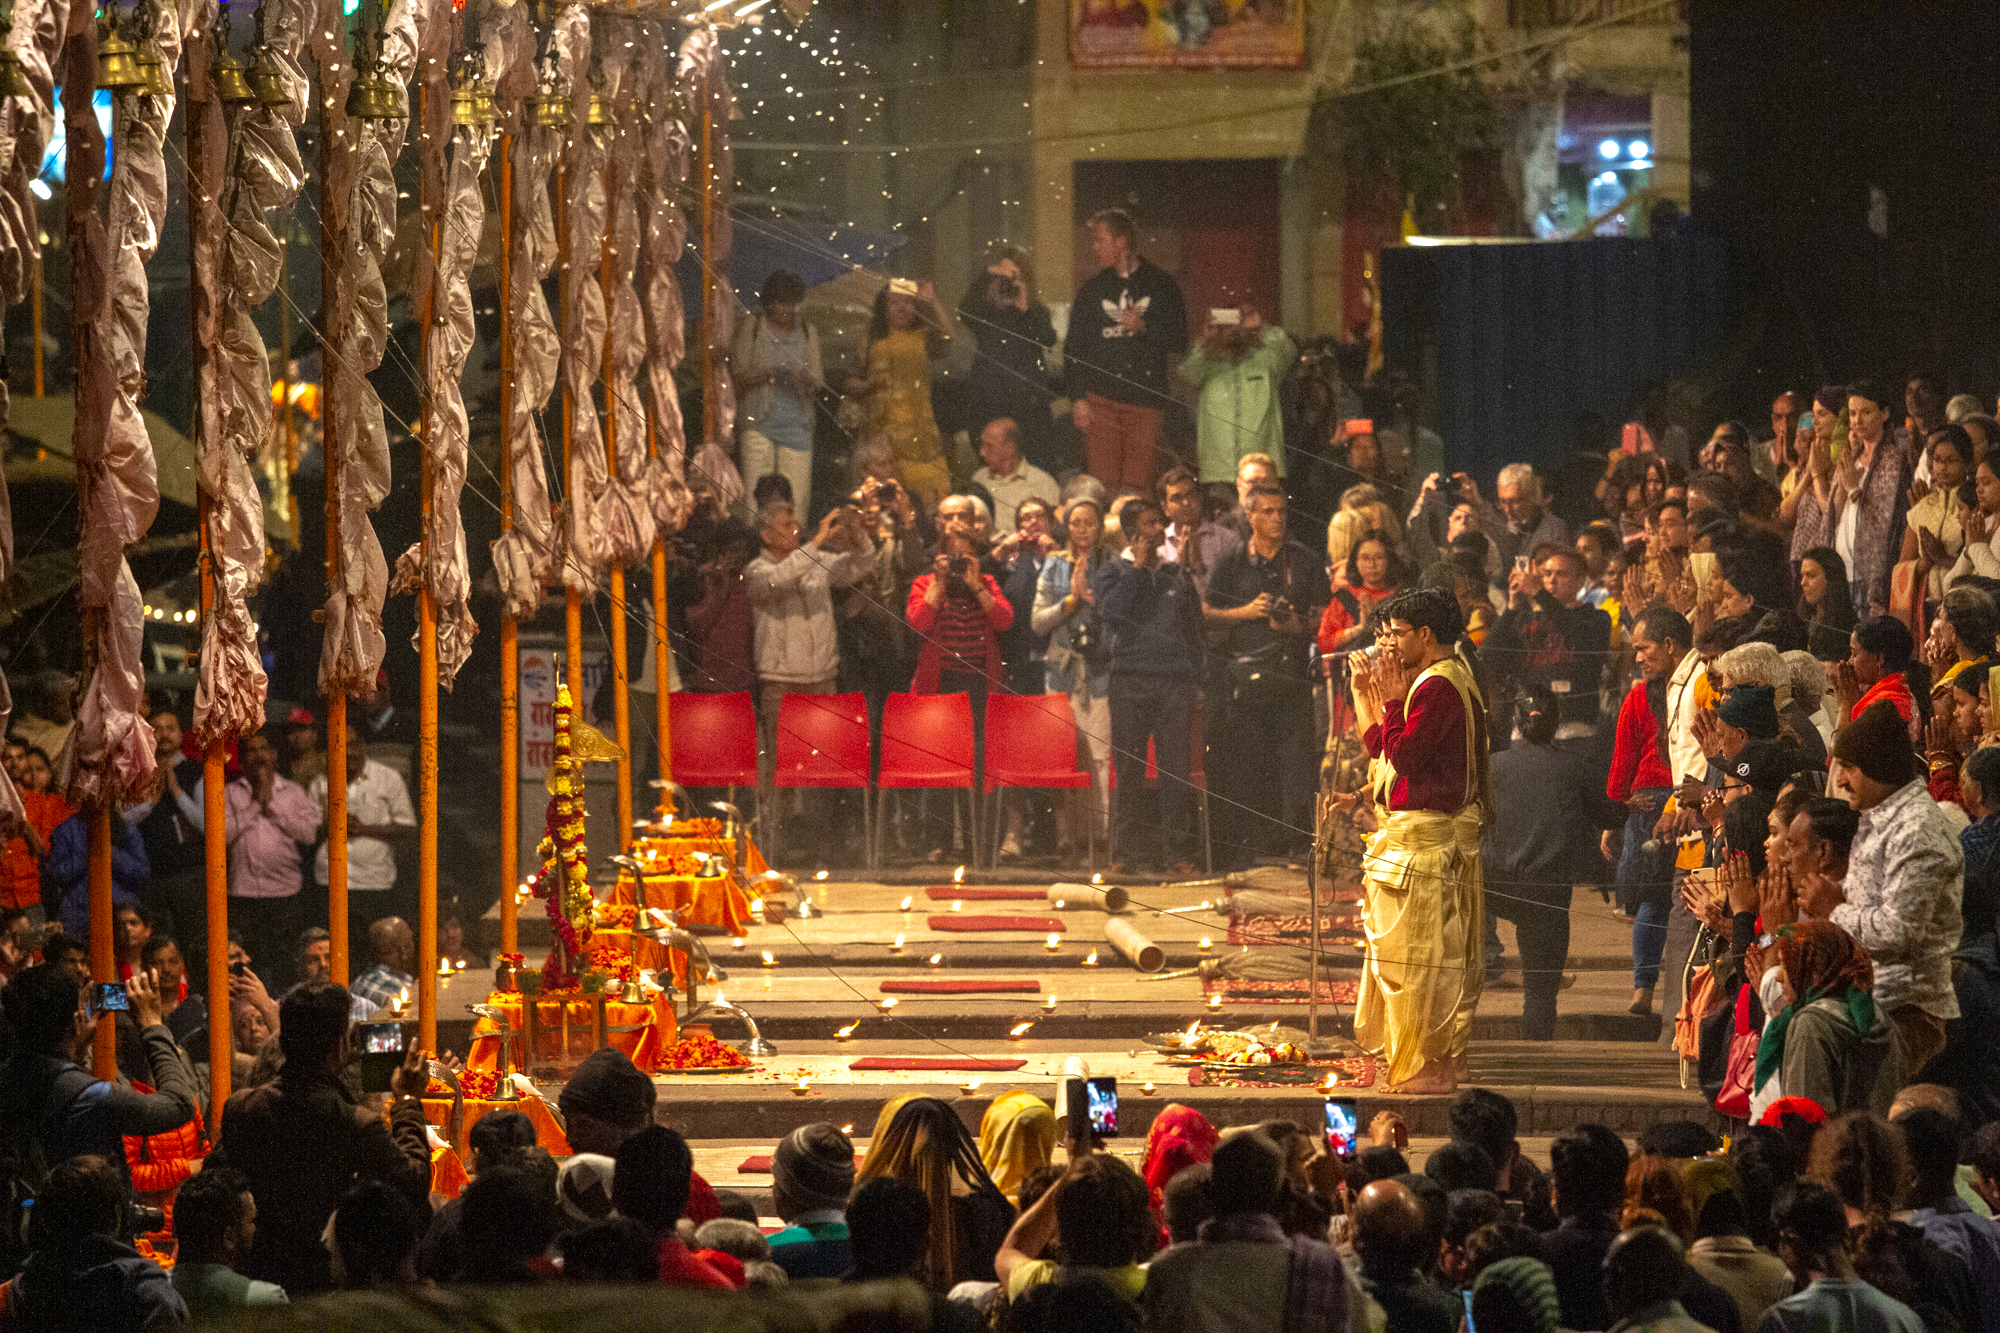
{"x": 1739, "y": 1073}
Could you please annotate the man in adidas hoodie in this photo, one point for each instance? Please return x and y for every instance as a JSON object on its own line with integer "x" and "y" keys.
{"x": 1127, "y": 326}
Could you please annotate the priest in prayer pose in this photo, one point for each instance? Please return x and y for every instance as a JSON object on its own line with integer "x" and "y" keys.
{"x": 1423, "y": 909}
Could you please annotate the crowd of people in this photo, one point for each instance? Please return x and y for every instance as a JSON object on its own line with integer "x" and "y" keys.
{"x": 1860, "y": 1221}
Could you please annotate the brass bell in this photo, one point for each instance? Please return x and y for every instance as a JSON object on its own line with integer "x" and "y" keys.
{"x": 118, "y": 61}
{"x": 599, "y": 111}
{"x": 230, "y": 85}
{"x": 158, "y": 82}
{"x": 13, "y": 79}
{"x": 268, "y": 79}
{"x": 548, "y": 111}
{"x": 372, "y": 97}
{"x": 465, "y": 101}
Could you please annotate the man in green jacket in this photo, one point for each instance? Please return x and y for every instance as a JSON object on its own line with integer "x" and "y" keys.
{"x": 1238, "y": 365}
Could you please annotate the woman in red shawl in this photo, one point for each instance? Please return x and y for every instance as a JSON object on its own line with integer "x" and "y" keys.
{"x": 1181, "y": 1137}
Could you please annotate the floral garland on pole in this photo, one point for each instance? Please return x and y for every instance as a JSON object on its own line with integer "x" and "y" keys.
{"x": 563, "y": 882}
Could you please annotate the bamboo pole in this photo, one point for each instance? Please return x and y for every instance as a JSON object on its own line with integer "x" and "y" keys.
{"x": 621, "y": 697}
{"x": 427, "y": 668}
{"x": 103, "y": 957}
{"x": 336, "y": 699}
{"x": 510, "y": 662}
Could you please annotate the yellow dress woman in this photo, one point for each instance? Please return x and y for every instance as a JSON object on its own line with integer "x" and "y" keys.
{"x": 908, "y": 332}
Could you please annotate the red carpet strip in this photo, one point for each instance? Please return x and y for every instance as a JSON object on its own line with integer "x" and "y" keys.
{"x": 968, "y": 986}
{"x": 937, "y": 1062}
{"x": 1280, "y": 992}
{"x": 1038, "y": 925}
{"x": 945, "y": 893}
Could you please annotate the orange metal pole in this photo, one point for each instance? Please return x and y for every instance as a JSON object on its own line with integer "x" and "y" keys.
{"x": 621, "y": 698}
{"x": 510, "y": 662}
{"x": 103, "y": 958}
{"x": 336, "y": 700}
{"x": 662, "y": 658}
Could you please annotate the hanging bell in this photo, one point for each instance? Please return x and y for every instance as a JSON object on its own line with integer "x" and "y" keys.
{"x": 158, "y": 82}
{"x": 373, "y": 97}
{"x": 465, "y": 100}
{"x": 13, "y": 79}
{"x": 118, "y": 61}
{"x": 599, "y": 111}
{"x": 548, "y": 111}
{"x": 231, "y": 88}
{"x": 267, "y": 77}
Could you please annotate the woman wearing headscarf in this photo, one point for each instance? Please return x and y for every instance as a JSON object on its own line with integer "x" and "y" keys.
{"x": 1181, "y": 1137}
{"x": 1016, "y": 1139}
{"x": 926, "y": 1145}
{"x": 1830, "y": 1043}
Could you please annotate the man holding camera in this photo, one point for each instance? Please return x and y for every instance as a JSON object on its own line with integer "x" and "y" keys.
{"x": 1265, "y": 595}
{"x": 46, "y": 1090}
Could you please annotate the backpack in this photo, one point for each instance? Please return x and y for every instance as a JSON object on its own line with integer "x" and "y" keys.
{"x": 25, "y": 1162}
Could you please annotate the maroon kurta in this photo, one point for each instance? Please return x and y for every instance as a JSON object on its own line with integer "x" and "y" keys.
{"x": 1427, "y": 746}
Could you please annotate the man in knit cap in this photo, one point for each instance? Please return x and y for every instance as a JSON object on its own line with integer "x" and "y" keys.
{"x": 605, "y": 1102}
{"x": 812, "y": 1174}
{"x": 1900, "y": 900}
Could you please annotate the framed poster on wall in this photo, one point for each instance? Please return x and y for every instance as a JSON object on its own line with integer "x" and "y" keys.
{"x": 1187, "y": 34}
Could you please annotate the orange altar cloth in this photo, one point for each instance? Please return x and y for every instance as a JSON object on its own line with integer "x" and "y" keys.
{"x": 564, "y": 1027}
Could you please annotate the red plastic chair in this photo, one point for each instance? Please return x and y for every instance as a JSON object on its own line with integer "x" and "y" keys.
{"x": 1031, "y": 742}
{"x": 822, "y": 741}
{"x": 714, "y": 740}
{"x": 927, "y": 742}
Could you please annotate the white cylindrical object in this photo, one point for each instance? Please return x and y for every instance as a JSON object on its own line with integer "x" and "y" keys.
{"x": 1102, "y": 897}
{"x": 1141, "y": 952}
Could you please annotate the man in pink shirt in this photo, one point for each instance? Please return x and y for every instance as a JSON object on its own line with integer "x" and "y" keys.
{"x": 266, "y": 817}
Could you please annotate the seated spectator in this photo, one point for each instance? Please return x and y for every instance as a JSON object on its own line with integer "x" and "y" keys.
{"x": 395, "y": 948}
{"x": 651, "y": 1185}
{"x": 1930, "y": 1137}
{"x": 1462, "y": 1166}
{"x": 1902, "y": 893}
{"x": 812, "y": 1173}
{"x": 610, "y": 1249}
{"x": 1488, "y": 1121}
{"x": 1188, "y": 1202}
{"x": 1862, "y": 1160}
{"x": 45, "y": 1084}
{"x": 1515, "y": 1295}
{"x": 605, "y": 1102}
{"x": 375, "y": 1235}
{"x": 1389, "y": 1238}
{"x": 496, "y": 1139}
{"x": 1077, "y": 1301}
{"x": 733, "y": 1238}
{"x": 1467, "y": 1211}
{"x": 1644, "y": 1274}
{"x": 1099, "y": 1207}
{"x": 1654, "y": 1196}
{"x": 1006, "y": 477}
{"x": 507, "y": 1224}
{"x": 1813, "y": 1240}
{"x": 304, "y": 1142}
{"x": 79, "y": 1274}
{"x": 889, "y": 1222}
{"x": 1587, "y": 1166}
{"x": 1244, "y": 1272}
{"x": 1017, "y": 1137}
{"x": 214, "y": 1221}
{"x": 1723, "y": 1252}
{"x": 1830, "y": 1043}
{"x": 583, "y": 1187}
{"x": 1179, "y": 1138}
{"x": 927, "y": 1145}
